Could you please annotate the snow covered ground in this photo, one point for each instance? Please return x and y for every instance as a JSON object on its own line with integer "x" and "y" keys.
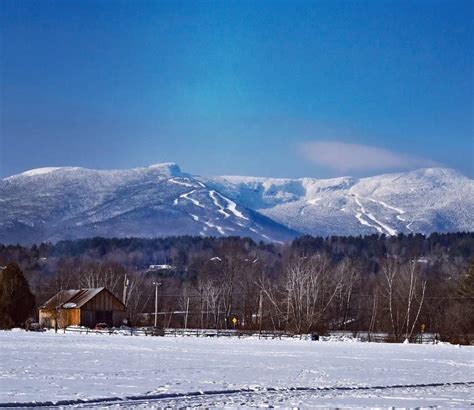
{"x": 173, "y": 371}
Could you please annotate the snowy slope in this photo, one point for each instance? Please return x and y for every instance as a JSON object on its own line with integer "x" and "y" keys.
{"x": 426, "y": 200}
{"x": 62, "y": 203}
{"x": 161, "y": 200}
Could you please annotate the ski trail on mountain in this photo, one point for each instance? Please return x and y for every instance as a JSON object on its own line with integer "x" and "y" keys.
{"x": 361, "y": 220}
{"x": 217, "y": 227}
{"x": 380, "y": 225}
{"x": 384, "y": 204}
{"x": 231, "y": 205}
{"x": 181, "y": 182}
{"x": 393, "y": 208}
{"x": 207, "y": 224}
{"x": 187, "y": 196}
{"x": 213, "y": 196}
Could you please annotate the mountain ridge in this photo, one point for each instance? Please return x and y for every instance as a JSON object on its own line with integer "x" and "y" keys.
{"x": 56, "y": 203}
{"x": 303, "y": 203}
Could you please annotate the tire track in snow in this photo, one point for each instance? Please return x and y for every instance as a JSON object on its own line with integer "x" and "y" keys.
{"x": 135, "y": 399}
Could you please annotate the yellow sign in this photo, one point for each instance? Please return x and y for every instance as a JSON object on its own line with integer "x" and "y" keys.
{"x": 234, "y": 320}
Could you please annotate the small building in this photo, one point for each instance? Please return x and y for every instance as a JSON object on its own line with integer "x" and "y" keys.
{"x": 161, "y": 267}
{"x": 83, "y": 307}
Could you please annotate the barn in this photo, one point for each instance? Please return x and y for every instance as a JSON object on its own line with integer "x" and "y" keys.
{"x": 82, "y": 307}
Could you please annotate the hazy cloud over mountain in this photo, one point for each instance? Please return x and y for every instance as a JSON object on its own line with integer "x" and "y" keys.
{"x": 345, "y": 157}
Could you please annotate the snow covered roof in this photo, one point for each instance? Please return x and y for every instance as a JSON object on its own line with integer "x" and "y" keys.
{"x": 71, "y": 298}
{"x": 157, "y": 267}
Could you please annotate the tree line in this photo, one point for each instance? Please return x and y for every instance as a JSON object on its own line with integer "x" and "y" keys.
{"x": 398, "y": 285}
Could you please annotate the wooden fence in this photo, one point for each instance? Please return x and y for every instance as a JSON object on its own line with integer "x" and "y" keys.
{"x": 426, "y": 338}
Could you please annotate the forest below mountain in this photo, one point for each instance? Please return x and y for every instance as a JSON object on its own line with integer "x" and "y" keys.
{"x": 397, "y": 284}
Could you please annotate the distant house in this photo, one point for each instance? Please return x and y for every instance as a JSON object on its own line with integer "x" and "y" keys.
{"x": 161, "y": 267}
{"x": 83, "y": 307}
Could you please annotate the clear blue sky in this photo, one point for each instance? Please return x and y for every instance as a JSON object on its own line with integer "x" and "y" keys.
{"x": 271, "y": 88}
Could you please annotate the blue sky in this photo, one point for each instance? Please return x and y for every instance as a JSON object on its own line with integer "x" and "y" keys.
{"x": 270, "y": 88}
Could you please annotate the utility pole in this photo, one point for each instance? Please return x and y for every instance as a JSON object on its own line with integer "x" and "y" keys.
{"x": 125, "y": 290}
{"x": 187, "y": 312}
{"x": 156, "y": 301}
{"x": 260, "y": 311}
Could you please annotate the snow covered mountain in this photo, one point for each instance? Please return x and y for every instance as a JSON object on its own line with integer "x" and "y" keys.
{"x": 66, "y": 203}
{"x": 427, "y": 200}
{"x": 161, "y": 200}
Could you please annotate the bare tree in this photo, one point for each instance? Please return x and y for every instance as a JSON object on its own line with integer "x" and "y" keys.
{"x": 405, "y": 293}
{"x": 416, "y": 287}
{"x": 390, "y": 270}
{"x": 310, "y": 289}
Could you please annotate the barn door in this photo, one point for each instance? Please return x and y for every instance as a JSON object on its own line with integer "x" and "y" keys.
{"x": 104, "y": 316}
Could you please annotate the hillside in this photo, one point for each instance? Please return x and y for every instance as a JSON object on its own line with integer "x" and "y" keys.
{"x": 50, "y": 204}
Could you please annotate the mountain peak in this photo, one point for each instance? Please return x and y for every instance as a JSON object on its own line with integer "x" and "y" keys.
{"x": 438, "y": 172}
{"x": 170, "y": 167}
{"x": 160, "y": 200}
{"x": 38, "y": 172}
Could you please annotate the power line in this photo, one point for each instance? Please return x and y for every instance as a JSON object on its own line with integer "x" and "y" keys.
{"x": 256, "y": 294}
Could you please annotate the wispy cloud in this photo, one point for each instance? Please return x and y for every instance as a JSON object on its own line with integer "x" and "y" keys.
{"x": 344, "y": 157}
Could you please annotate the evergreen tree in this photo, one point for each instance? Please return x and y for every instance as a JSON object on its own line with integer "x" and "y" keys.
{"x": 16, "y": 300}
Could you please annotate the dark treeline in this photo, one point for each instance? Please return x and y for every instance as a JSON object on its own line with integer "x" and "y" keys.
{"x": 397, "y": 285}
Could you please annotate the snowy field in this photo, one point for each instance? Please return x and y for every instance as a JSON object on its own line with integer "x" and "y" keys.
{"x": 190, "y": 371}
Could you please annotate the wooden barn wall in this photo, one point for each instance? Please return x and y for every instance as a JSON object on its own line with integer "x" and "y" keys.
{"x": 90, "y": 318}
{"x": 103, "y": 301}
{"x": 65, "y": 317}
{"x": 118, "y": 317}
{"x": 70, "y": 317}
{"x": 47, "y": 317}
